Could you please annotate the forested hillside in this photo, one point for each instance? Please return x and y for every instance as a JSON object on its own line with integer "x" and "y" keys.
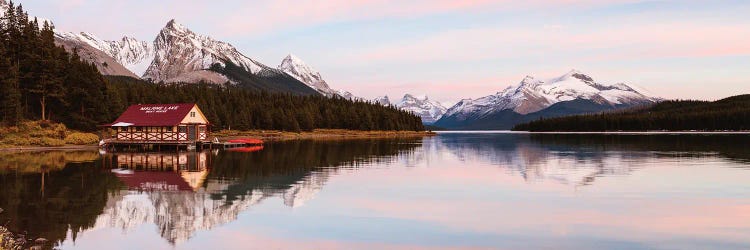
{"x": 731, "y": 113}
{"x": 244, "y": 109}
{"x": 39, "y": 80}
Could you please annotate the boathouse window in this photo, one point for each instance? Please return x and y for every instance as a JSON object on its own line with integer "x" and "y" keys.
{"x": 192, "y": 114}
{"x": 138, "y": 129}
{"x": 202, "y": 129}
{"x": 182, "y": 129}
{"x": 123, "y": 129}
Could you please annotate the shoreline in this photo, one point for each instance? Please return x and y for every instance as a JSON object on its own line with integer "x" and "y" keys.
{"x": 319, "y": 134}
{"x": 49, "y": 148}
{"x": 646, "y": 132}
{"x": 266, "y": 135}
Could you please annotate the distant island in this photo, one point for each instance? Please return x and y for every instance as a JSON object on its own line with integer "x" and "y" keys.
{"x": 729, "y": 114}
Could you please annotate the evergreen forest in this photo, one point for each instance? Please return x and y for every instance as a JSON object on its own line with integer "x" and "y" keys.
{"x": 729, "y": 114}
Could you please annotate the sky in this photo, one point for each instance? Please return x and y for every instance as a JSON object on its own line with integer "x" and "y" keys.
{"x": 451, "y": 50}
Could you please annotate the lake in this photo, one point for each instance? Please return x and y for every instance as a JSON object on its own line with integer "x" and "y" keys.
{"x": 453, "y": 190}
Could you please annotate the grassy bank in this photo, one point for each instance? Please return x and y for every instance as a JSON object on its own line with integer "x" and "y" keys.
{"x": 318, "y": 134}
{"x": 33, "y": 134}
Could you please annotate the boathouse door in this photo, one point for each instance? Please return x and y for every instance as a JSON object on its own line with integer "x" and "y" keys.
{"x": 192, "y": 132}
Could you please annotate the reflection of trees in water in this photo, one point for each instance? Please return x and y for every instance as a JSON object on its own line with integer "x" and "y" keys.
{"x": 280, "y": 165}
{"x": 729, "y": 146}
{"x": 34, "y": 162}
{"x": 48, "y": 203}
{"x": 579, "y": 159}
{"x": 294, "y": 171}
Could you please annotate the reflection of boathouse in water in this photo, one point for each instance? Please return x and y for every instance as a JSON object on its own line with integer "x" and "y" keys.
{"x": 183, "y": 171}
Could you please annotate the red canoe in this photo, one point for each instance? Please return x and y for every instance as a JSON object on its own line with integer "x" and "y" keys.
{"x": 246, "y": 149}
{"x": 247, "y": 141}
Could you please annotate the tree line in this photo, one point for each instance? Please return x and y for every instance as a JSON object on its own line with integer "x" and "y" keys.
{"x": 235, "y": 107}
{"x": 42, "y": 81}
{"x": 731, "y": 113}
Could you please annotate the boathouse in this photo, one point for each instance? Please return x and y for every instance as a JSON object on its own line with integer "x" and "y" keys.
{"x": 160, "y": 124}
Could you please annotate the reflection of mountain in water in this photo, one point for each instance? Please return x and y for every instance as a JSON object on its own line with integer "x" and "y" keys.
{"x": 180, "y": 193}
{"x": 161, "y": 186}
{"x": 576, "y": 159}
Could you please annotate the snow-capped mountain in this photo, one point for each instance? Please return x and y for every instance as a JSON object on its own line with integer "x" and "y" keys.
{"x": 532, "y": 95}
{"x": 430, "y": 111}
{"x": 105, "y": 63}
{"x": 382, "y": 100}
{"x": 130, "y": 52}
{"x": 181, "y": 55}
{"x": 179, "y": 51}
{"x": 295, "y": 67}
{"x": 305, "y": 190}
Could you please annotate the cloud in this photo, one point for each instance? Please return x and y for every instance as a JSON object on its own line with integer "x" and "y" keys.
{"x": 264, "y": 16}
{"x": 631, "y": 42}
{"x": 260, "y": 17}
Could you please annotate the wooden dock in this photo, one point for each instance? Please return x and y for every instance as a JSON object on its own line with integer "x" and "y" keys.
{"x": 130, "y": 145}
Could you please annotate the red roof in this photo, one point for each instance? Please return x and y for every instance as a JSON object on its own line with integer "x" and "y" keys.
{"x": 154, "y": 115}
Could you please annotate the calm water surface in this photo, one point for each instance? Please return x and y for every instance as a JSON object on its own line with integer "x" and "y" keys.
{"x": 483, "y": 190}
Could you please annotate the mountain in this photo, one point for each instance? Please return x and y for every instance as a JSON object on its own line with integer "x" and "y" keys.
{"x": 430, "y": 111}
{"x": 105, "y": 63}
{"x": 180, "y": 51}
{"x": 382, "y": 100}
{"x": 295, "y": 67}
{"x": 571, "y": 93}
{"x": 181, "y": 55}
{"x": 133, "y": 54}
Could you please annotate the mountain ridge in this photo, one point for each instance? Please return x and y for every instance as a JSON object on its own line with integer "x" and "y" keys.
{"x": 178, "y": 54}
{"x": 531, "y": 97}
{"x": 430, "y": 111}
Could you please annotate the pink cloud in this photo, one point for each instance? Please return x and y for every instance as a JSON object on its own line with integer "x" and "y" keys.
{"x": 260, "y": 17}
{"x": 628, "y": 42}
{"x": 272, "y": 15}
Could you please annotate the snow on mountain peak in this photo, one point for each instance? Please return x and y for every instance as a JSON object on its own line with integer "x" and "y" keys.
{"x": 573, "y": 73}
{"x": 410, "y": 97}
{"x": 174, "y": 26}
{"x": 532, "y": 95}
{"x": 295, "y": 67}
{"x": 180, "y": 51}
{"x": 382, "y": 100}
{"x": 295, "y": 59}
{"x": 132, "y": 53}
{"x": 421, "y": 105}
